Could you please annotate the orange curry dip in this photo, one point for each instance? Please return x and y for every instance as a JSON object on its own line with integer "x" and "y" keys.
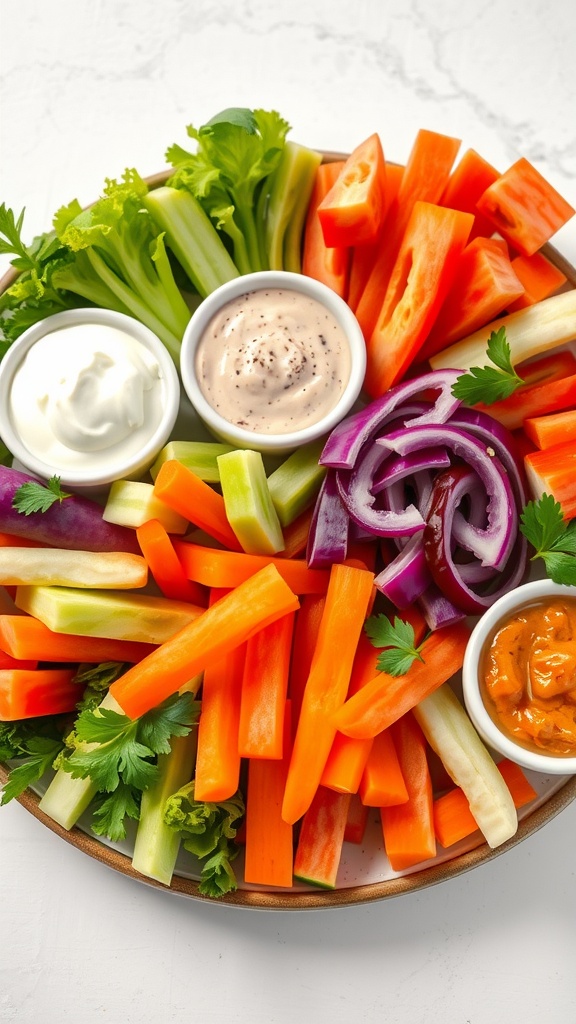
{"x": 530, "y": 677}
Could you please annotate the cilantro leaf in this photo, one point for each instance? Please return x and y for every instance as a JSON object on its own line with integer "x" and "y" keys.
{"x": 41, "y": 751}
{"x": 110, "y": 812}
{"x": 553, "y": 539}
{"x": 173, "y": 718}
{"x": 489, "y": 384}
{"x": 36, "y": 497}
{"x": 398, "y": 641}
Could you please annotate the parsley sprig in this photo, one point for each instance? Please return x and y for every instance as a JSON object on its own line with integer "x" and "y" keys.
{"x": 553, "y": 539}
{"x": 397, "y": 639}
{"x": 36, "y": 497}
{"x": 488, "y": 384}
{"x": 208, "y": 831}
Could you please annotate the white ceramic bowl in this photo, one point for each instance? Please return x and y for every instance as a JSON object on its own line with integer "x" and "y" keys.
{"x": 272, "y": 443}
{"x": 91, "y": 473}
{"x": 500, "y": 741}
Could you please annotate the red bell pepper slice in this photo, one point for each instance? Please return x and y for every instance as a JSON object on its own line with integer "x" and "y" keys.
{"x": 468, "y": 181}
{"x": 330, "y": 265}
{"x": 352, "y": 211}
{"x": 549, "y": 386}
{"x": 524, "y": 208}
{"x": 364, "y": 256}
{"x": 423, "y": 272}
{"x": 540, "y": 279}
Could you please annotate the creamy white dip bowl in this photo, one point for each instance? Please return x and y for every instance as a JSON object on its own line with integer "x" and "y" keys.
{"x": 92, "y": 415}
{"x": 269, "y": 442}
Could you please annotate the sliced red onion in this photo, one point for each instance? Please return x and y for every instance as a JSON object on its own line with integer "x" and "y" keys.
{"x": 328, "y": 534}
{"x": 437, "y": 609}
{"x": 403, "y": 466}
{"x": 407, "y": 576}
{"x": 493, "y": 544}
{"x": 355, "y": 491}
{"x": 347, "y": 439}
{"x": 449, "y": 489}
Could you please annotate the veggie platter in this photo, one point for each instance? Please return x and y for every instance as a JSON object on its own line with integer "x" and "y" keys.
{"x": 270, "y": 716}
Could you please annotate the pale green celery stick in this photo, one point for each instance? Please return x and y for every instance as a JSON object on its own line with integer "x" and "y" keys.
{"x": 58, "y": 567}
{"x": 295, "y": 484}
{"x": 66, "y": 798}
{"x": 106, "y": 613}
{"x": 192, "y": 238}
{"x": 249, "y": 507}
{"x": 156, "y": 845}
{"x": 452, "y": 736}
{"x": 199, "y": 456}
{"x": 133, "y": 502}
{"x": 134, "y": 303}
{"x": 291, "y": 188}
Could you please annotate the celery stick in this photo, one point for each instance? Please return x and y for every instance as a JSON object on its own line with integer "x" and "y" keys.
{"x": 291, "y": 187}
{"x": 61, "y": 567}
{"x": 451, "y": 734}
{"x": 249, "y": 507}
{"x": 199, "y": 456}
{"x": 156, "y": 845}
{"x": 66, "y": 798}
{"x": 297, "y": 481}
{"x": 133, "y": 502}
{"x": 105, "y": 613}
{"x": 192, "y": 238}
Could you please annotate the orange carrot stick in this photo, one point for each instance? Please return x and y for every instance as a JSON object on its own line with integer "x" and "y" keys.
{"x": 386, "y": 698}
{"x": 539, "y": 277}
{"x": 216, "y": 568}
{"x": 164, "y": 564}
{"x": 382, "y": 783}
{"x": 7, "y": 661}
{"x": 23, "y": 636}
{"x": 217, "y": 772}
{"x": 180, "y": 489}
{"x": 262, "y": 599}
{"x": 32, "y": 693}
{"x": 296, "y": 534}
{"x": 308, "y": 618}
{"x": 321, "y": 837}
{"x": 264, "y": 689}
{"x": 269, "y": 843}
{"x": 349, "y": 594}
{"x": 408, "y": 828}
{"x": 356, "y": 821}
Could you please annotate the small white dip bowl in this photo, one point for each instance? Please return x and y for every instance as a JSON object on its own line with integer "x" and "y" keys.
{"x": 500, "y": 741}
{"x": 89, "y": 470}
{"x": 272, "y": 443}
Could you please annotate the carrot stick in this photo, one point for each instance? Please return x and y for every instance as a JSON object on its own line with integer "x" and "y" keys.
{"x": 453, "y": 819}
{"x": 386, "y": 698}
{"x": 216, "y": 568}
{"x": 347, "y": 599}
{"x": 10, "y": 540}
{"x": 32, "y": 693}
{"x": 328, "y": 265}
{"x": 164, "y": 564}
{"x": 308, "y": 618}
{"x": 23, "y": 636}
{"x": 269, "y": 844}
{"x": 217, "y": 772}
{"x": 356, "y": 820}
{"x": 408, "y": 828}
{"x": 296, "y": 534}
{"x": 364, "y": 256}
{"x": 347, "y": 758}
{"x": 321, "y": 837}
{"x": 382, "y": 783}
{"x": 7, "y": 661}
{"x": 262, "y": 599}
{"x": 264, "y": 690}
{"x": 185, "y": 493}
{"x": 539, "y": 277}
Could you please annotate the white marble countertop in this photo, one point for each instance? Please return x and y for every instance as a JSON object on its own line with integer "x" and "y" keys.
{"x": 87, "y": 89}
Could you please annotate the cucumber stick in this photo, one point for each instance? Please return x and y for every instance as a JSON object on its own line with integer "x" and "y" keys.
{"x": 106, "y": 613}
{"x": 452, "y": 736}
{"x": 133, "y": 502}
{"x": 295, "y": 484}
{"x": 248, "y": 502}
{"x": 199, "y": 456}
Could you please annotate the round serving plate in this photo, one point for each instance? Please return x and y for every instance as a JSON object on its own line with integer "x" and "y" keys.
{"x": 365, "y": 875}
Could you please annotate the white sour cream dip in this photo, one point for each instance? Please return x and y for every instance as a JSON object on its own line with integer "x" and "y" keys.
{"x": 87, "y": 392}
{"x": 273, "y": 361}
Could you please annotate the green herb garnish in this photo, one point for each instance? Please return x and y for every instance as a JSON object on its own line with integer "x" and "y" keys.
{"x": 553, "y": 539}
{"x": 36, "y": 497}
{"x": 398, "y": 641}
{"x": 488, "y": 384}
